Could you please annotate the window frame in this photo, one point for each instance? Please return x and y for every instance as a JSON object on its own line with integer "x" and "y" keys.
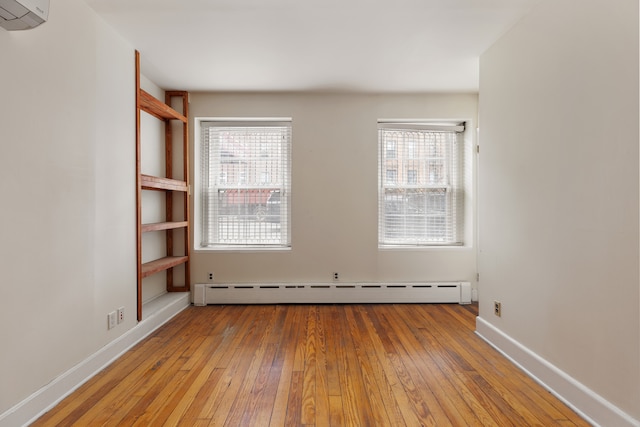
{"x": 455, "y": 200}
{"x": 200, "y": 124}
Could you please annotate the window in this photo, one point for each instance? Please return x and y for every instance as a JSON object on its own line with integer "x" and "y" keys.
{"x": 412, "y": 177}
{"x": 392, "y": 176}
{"x": 243, "y": 198}
{"x": 411, "y": 149}
{"x": 391, "y": 149}
{"x": 424, "y": 206}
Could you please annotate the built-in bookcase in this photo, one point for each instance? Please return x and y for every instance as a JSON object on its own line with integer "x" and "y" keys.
{"x": 174, "y": 112}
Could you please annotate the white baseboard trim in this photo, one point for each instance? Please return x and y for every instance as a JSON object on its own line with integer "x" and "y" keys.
{"x": 51, "y": 394}
{"x": 588, "y": 404}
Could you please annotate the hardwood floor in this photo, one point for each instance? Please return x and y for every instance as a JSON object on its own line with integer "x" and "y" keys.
{"x": 313, "y": 365}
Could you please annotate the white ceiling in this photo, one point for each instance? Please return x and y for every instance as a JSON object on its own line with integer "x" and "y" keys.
{"x": 312, "y": 45}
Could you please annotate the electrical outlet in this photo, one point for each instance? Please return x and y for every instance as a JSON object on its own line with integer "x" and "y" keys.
{"x": 111, "y": 320}
{"x": 336, "y": 276}
{"x": 121, "y": 315}
{"x": 497, "y": 308}
{"x": 211, "y": 277}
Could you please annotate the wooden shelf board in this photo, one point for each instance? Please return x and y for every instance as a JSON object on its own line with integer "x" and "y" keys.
{"x": 149, "y": 182}
{"x": 159, "y": 109}
{"x": 153, "y": 267}
{"x": 157, "y": 226}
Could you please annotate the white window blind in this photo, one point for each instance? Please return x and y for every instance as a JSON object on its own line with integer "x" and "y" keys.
{"x": 421, "y": 195}
{"x": 245, "y": 183}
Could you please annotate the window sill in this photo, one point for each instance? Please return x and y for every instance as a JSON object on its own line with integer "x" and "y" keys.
{"x": 246, "y": 249}
{"x": 424, "y": 248}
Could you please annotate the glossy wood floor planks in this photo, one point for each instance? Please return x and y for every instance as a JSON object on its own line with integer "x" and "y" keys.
{"x": 313, "y": 365}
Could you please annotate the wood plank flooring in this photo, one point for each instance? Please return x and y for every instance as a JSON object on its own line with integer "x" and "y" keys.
{"x": 313, "y": 365}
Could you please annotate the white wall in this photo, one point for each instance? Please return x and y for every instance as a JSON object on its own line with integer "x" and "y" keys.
{"x": 559, "y": 193}
{"x": 67, "y": 174}
{"x": 152, "y": 161}
{"x": 334, "y": 190}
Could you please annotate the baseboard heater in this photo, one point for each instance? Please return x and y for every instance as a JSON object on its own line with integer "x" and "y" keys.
{"x": 319, "y": 293}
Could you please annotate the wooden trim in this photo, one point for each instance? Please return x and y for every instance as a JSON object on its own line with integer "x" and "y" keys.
{"x": 169, "y": 155}
{"x": 168, "y": 203}
{"x": 138, "y": 194}
{"x": 186, "y": 170}
{"x": 187, "y": 204}
{"x": 158, "y": 265}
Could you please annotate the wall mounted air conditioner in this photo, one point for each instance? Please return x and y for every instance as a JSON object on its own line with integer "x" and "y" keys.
{"x": 23, "y": 14}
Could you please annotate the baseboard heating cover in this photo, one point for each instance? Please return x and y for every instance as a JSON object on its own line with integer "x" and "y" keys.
{"x": 319, "y": 293}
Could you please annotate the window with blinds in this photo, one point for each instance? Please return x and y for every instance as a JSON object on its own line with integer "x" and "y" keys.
{"x": 245, "y": 183}
{"x": 420, "y": 191}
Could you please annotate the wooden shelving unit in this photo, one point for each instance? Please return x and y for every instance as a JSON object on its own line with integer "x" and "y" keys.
{"x": 175, "y": 190}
